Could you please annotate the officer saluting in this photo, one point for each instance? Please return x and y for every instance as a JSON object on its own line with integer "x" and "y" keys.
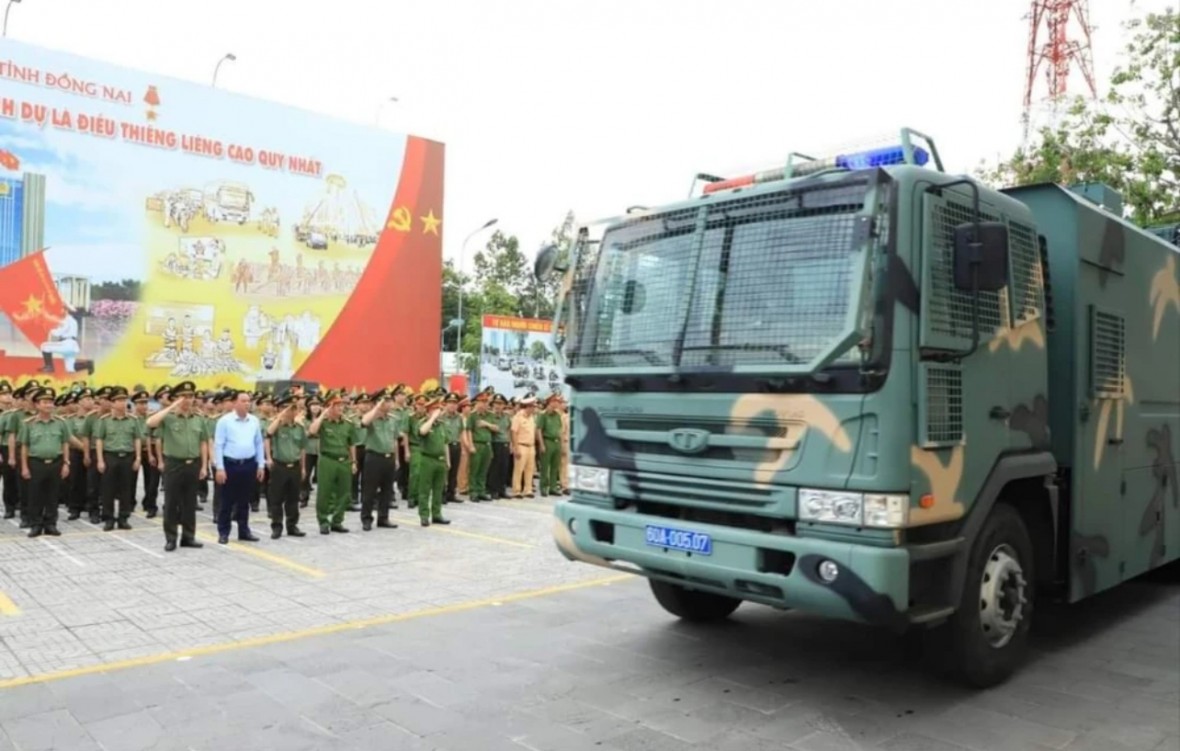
{"x": 338, "y": 439}
{"x": 286, "y": 443}
{"x": 185, "y": 442}
{"x": 45, "y": 444}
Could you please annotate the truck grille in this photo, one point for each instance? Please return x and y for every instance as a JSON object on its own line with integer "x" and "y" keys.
{"x": 696, "y": 491}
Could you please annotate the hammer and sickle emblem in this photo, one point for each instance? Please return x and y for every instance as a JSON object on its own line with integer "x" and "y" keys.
{"x": 400, "y": 220}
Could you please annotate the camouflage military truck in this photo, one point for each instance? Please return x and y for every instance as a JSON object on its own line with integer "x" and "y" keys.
{"x": 865, "y": 388}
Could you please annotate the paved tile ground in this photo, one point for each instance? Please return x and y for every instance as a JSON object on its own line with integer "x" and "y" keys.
{"x": 481, "y": 637}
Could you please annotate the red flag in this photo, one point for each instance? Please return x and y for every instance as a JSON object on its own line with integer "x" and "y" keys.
{"x": 9, "y": 160}
{"x": 29, "y": 297}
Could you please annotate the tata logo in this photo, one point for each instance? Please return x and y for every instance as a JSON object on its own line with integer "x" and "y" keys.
{"x": 689, "y": 440}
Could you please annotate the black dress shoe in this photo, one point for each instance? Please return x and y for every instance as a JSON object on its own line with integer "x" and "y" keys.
{"x": 386, "y": 524}
{"x": 191, "y": 544}
{"x": 440, "y": 520}
{"x": 10, "y": 514}
{"x": 74, "y": 516}
{"x": 248, "y": 537}
{"x": 339, "y": 528}
{"x": 425, "y": 522}
{"x": 223, "y": 539}
{"x": 52, "y": 531}
{"x": 123, "y": 524}
{"x": 35, "y": 532}
{"x": 367, "y": 526}
{"x": 151, "y": 514}
{"x": 276, "y": 534}
{"x": 296, "y": 532}
{"x": 170, "y": 546}
{"x": 325, "y": 529}
{"x": 95, "y": 519}
{"x": 108, "y": 525}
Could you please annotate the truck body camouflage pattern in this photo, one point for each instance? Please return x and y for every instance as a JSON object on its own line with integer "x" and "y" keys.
{"x": 739, "y": 358}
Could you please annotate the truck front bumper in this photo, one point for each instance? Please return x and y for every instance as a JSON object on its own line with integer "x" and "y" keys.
{"x": 871, "y": 584}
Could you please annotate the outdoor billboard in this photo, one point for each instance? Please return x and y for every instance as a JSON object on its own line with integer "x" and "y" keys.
{"x": 517, "y": 357}
{"x": 194, "y": 234}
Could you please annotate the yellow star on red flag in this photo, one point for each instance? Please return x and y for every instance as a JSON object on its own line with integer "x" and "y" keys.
{"x": 430, "y": 223}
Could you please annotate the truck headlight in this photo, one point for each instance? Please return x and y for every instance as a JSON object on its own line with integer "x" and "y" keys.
{"x": 831, "y": 506}
{"x": 590, "y": 479}
{"x": 877, "y": 510}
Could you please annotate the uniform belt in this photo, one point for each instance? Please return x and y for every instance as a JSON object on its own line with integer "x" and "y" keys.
{"x": 336, "y": 458}
{"x": 289, "y": 465}
{"x": 178, "y": 459}
{"x": 440, "y": 457}
{"x": 380, "y": 453}
{"x": 118, "y": 454}
{"x": 43, "y": 460}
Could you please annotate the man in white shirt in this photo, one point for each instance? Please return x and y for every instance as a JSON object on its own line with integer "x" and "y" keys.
{"x": 63, "y": 340}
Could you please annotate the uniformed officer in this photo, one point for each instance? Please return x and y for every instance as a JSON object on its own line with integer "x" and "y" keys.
{"x": 23, "y": 410}
{"x": 414, "y": 442}
{"x": 147, "y": 458}
{"x": 45, "y": 446}
{"x": 433, "y": 461}
{"x": 401, "y": 394}
{"x": 481, "y": 427}
{"x": 286, "y": 442}
{"x": 185, "y": 444}
{"x": 550, "y": 427}
{"x": 101, "y": 408}
{"x": 118, "y": 443}
{"x": 315, "y": 407}
{"x": 382, "y": 433}
{"x": 498, "y": 477}
{"x": 524, "y": 443}
{"x": 361, "y": 404}
{"x": 453, "y": 424}
{"x": 7, "y": 468}
{"x": 338, "y": 439}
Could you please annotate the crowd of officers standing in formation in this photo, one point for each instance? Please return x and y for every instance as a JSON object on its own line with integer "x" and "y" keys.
{"x": 88, "y": 449}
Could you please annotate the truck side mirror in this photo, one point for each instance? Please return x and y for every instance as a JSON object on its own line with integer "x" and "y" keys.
{"x": 981, "y": 256}
{"x": 547, "y": 262}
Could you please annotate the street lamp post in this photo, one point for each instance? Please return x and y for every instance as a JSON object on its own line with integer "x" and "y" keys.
{"x": 381, "y": 106}
{"x": 6, "y": 9}
{"x": 228, "y": 56}
{"x": 462, "y": 255}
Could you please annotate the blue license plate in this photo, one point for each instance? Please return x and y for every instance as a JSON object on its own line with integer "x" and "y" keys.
{"x": 679, "y": 539}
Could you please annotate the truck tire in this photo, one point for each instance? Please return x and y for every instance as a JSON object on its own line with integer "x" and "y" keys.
{"x": 988, "y": 634}
{"x": 691, "y": 605}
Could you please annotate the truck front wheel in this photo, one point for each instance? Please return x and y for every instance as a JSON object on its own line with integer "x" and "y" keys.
{"x": 691, "y": 605}
{"x": 988, "y": 634}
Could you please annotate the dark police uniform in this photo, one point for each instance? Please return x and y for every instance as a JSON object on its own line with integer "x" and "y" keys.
{"x": 8, "y": 473}
{"x": 286, "y": 442}
{"x": 380, "y": 467}
{"x": 118, "y": 443}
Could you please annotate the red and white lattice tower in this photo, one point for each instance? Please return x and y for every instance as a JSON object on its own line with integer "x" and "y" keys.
{"x": 1058, "y": 41}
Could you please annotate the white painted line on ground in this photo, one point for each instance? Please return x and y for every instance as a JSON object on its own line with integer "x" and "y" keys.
{"x": 62, "y": 553}
{"x": 125, "y": 541}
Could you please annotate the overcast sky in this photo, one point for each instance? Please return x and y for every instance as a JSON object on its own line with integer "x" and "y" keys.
{"x": 595, "y": 105}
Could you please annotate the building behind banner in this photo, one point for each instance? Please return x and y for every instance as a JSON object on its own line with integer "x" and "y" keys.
{"x": 196, "y": 234}
{"x": 517, "y": 357}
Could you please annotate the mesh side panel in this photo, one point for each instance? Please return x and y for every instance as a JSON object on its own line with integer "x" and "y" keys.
{"x": 1107, "y": 361}
{"x": 942, "y": 422}
{"x": 767, "y": 282}
{"x": 1026, "y": 283}
{"x": 949, "y": 310}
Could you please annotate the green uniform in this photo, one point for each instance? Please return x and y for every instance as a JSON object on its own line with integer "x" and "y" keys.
{"x": 335, "y": 470}
{"x": 181, "y": 437}
{"x": 8, "y": 475}
{"x": 477, "y": 481}
{"x": 118, "y": 436}
{"x": 432, "y": 471}
{"x": 412, "y": 421}
{"x": 382, "y": 433}
{"x": 282, "y": 494}
{"x": 549, "y": 423}
{"x": 43, "y": 440}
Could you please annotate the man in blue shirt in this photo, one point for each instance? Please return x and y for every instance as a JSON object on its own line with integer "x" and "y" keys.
{"x": 238, "y": 461}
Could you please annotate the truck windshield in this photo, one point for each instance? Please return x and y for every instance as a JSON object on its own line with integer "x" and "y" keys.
{"x": 765, "y": 280}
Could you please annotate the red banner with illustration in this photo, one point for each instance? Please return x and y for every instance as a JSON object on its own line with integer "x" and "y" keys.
{"x": 154, "y": 230}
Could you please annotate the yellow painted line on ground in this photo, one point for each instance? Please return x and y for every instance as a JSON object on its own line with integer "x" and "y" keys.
{"x": 249, "y": 549}
{"x": 7, "y": 606}
{"x": 411, "y": 520}
{"x": 287, "y": 636}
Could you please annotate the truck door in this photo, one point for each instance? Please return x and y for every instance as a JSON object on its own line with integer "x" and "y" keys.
{"x": 958, "y": 403}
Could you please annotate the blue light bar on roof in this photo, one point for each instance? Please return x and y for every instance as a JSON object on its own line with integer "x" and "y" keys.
{"x": 880, "y": 158}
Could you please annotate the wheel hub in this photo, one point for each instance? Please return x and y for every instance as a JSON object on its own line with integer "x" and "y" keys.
{"x": 1002, "y": 596}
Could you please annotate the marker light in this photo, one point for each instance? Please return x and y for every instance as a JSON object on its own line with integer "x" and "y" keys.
{"x": 857, "y": 160}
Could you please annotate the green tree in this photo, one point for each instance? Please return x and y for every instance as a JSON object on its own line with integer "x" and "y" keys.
{"x": 1130, "y": 140}
{"x": 538, "y": 351}
{"x": 127, "y": 289}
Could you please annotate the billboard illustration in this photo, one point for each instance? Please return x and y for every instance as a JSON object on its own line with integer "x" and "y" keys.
{"x": 517, "y": 357}
{"x": 153, "y": 230}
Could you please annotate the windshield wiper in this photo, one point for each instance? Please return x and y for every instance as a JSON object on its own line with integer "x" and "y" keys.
{"x": 783, "y": 350}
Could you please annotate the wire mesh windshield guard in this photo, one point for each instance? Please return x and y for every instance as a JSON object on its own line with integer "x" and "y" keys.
{"x": 764, "y": 280}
